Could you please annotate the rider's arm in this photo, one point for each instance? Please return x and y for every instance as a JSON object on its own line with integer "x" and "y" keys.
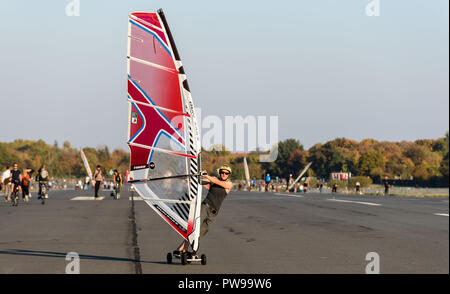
{"x": 224, "y": 184}
{"x": 206, "y": 183}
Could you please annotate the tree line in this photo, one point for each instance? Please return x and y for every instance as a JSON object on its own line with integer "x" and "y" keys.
{"x": 63, "y": 161}
{"x": 425, "y": 161}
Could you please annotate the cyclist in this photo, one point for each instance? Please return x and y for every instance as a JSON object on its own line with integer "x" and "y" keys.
{"x": 42, "y": 178}
{"x": 117, "y": 183}
{"x": 15, "y": 178}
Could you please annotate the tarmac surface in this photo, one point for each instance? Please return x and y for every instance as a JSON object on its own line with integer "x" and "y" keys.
{"x": 267, "y": 233}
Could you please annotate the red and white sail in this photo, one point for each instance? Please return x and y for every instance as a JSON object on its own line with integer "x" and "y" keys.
{"x": 163, "y": 135}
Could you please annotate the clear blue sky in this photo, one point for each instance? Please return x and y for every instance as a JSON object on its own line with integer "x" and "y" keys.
{"x": 324, "y": 67}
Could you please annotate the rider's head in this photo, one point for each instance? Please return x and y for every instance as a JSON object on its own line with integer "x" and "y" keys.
{"x": 15, "y": 166}
{"x": 224, "y": 172}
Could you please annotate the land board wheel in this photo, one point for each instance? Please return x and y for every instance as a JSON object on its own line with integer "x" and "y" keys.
{"x": 183, "y": 258}
{"x": 203, "y": 257}
{"x": 169, "y": 258}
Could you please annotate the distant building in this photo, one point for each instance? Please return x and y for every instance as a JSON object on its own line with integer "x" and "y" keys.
{"x": 341, "y": 176}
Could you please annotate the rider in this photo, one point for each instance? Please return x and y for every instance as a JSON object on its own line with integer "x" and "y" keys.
{"x": 117, "y": 182}
{"x": 42, "y": 178}
{"x": 218, "y": 190}
{"x": 15, "y": 177}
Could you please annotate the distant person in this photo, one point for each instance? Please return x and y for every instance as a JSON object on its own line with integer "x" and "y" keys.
{"x": 320, "y": 187}
{"x": 15, "y": 177}
{"x": 267, "y": 182}
{"x": 26, "y": 180}
{"x": 43, "y": 178}
{"x": 127, "y": 174}
{"x": 98, "y": 178}
{"x": 386, "y": 188}
{"x": 6, "y": 182}
{"x": 305, "y": 187}
{"x": 289, "y": 182}
{"x": 118, "y": 182}
{"x": 358, "y": 188}
{"x": 335, "y": 188}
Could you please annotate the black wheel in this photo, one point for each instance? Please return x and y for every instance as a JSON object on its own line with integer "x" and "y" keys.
{"x": 203, "y": 258}
{"x": 169, "y": 258}
{"x": 184, "y": 258}
{"x": 15, "y": 200}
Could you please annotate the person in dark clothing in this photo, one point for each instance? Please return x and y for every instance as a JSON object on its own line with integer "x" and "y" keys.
{"x": 117, "y": 178}
{"x": 218, "y": 190}
{"x": 98, "y": 178}
{"x": 335, "y": 188}
{"x": 386, "y": 188}
{"x": 16, "y": 177}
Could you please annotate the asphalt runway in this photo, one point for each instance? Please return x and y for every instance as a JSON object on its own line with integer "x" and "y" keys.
{"x": 273, "y": 233}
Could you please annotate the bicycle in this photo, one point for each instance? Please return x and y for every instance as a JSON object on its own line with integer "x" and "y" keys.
{"x": 115, "y": 192}
{"x": 15, "y": 195}
{"x": 44, "y": 193}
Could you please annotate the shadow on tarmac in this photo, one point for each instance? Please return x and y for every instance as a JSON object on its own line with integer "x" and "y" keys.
{"x": 63, "y": 255}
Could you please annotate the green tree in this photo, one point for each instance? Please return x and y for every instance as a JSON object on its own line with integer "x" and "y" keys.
{"x": 280, "y": 166}
{"x": 369, "y": 161}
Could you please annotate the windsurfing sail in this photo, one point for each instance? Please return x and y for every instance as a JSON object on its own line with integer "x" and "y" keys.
{"x": 300, "y": 176}
{"x": 247, "y": 173}
{"x": 86, "y": 164}
{"x": 163, "y": 135}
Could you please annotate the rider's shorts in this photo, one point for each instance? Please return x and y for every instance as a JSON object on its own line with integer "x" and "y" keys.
{"x": 207, "y": 216}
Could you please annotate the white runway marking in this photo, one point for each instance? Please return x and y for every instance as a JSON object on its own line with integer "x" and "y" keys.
{"x": 358, "y": 202}
{"x": 87, "y": 198}
{"x": 136, "y": 198}
{"x": 289, "y": 195}
{"x": 441, "y": 214}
